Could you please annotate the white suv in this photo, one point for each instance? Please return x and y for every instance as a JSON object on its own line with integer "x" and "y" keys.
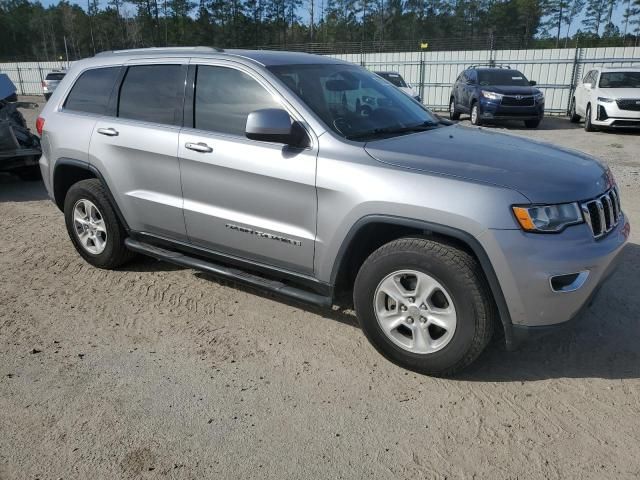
{"x": 608, "y": 97}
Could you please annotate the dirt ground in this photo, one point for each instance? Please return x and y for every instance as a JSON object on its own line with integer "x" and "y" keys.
{"x": 155, "y": 371}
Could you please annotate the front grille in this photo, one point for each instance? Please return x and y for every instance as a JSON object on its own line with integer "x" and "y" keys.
{"x": 514, "y": 101}
{"x": 632, "y": 104}
{"x": 603, "y": 214}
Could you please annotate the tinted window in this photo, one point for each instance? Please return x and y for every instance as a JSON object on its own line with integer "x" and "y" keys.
{"x": 587, "y": 78}
{"x": 502, "y": 77}
{"x": 394, "y": 78}
{"x": 92, "y": 91}
{"x": 224, "y": 99}
{"x": 151, "y": 92}
{"x": 620, "y": 80}
{"x": 55, "y": 76}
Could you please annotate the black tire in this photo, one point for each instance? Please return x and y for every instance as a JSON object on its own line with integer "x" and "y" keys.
{"x": 459, "y": 273}
{"x": 532, "y": 123}
{"x": 47, "y": 96}
{"x": 453, "y": 113}
{"x": 573, "y": 116}
{"x": 29, "y": 174}
{"x": 478, "y": 120}
{"x": 115, "y": 253}
{"x": 588, "y": 126}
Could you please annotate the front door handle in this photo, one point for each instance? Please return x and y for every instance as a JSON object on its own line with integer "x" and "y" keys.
{"x": 109, "y": 132}
{"x": 199, "y": 147}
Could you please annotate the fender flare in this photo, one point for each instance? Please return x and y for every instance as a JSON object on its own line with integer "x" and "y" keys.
{"x": 447, "y": 231}
{"x": 72, "y": 162}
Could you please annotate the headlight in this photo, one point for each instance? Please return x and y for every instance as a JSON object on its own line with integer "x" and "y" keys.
{"x": 605, "y": 99}
{"x": 548, "y": 218}
{"x": 491, "y": 95}
{"x": 539, "y": 97}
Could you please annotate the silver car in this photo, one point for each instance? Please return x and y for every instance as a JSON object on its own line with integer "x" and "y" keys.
{"x": 50, "y": 82}
{"x": 265, "y": 168}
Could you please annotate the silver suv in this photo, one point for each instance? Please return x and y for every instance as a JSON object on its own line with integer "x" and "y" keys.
{"x": 265, "y": 168}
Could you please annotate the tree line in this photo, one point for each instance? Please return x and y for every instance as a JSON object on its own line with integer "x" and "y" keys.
{"x": 28, "y": 30}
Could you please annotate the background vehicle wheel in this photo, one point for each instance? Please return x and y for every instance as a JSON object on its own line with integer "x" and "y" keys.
{"x": 532, "y": 123}
{"x": 93, "y": 226}
{"x": 475, "y": 114}
{"x": 588, "y": 126}
{"x": 573, "y": 116}
{"x": 424, "y": 305}
{"x": 453, "y": 113}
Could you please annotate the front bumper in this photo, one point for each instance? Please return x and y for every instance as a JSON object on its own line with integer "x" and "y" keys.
{"x": 608, "y": 114}
{"x": 494, "y": 110}
{"x": 525, "y": 263}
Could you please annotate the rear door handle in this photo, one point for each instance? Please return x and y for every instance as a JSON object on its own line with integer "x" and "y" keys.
{"x": 199, "y": 147}
{"x": 109, "y": 132}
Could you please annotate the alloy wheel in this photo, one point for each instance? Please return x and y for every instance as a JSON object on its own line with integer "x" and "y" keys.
{"x": 89, "y": 226}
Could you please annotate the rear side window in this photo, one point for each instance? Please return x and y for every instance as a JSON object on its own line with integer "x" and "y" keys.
{"x": 152, "y": 93}
{"x": 92, "y": 91}
{"x": 224, "y": 99}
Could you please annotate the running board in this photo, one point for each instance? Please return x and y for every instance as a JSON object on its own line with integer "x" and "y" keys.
{"x": 229, "y": 273}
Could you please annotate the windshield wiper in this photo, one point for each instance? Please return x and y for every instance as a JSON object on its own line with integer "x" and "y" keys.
{"x": 420, "y": 127}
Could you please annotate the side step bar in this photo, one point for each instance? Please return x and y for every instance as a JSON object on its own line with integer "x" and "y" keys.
{"x": 229, "y": 273}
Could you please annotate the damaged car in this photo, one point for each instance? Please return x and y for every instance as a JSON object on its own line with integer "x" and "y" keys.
{"x": 19, "y": 148}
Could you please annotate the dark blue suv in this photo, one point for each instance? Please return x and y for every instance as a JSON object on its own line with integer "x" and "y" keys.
{"x": 496, "y": 93}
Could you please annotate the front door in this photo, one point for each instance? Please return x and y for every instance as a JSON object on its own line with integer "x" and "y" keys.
{"x": 250, "y": 199}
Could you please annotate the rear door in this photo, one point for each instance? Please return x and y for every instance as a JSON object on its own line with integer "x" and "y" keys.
{"x": 250, "y": 199}
{"x": 582, "y": 93}
{"x": 136, "y": 150}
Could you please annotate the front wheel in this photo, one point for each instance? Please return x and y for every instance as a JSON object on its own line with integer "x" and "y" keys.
{"x": 453, "y": 113}
{"x": 93, "y": 225}
{"x": 588, "y": 126}
{"x": 475, "y": 115}
{"x": 532, "y": 123}
{"x": 424, "y": 305}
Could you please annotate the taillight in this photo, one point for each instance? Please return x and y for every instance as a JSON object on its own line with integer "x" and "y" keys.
{"x": 40, "y": 125}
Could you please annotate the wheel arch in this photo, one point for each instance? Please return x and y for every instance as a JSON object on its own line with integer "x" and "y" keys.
{"x": 376, "y": 230}
{"x": 69, "y": 171}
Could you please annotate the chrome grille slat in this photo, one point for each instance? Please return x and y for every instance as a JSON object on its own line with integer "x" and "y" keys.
{"x": 602, "y": 214}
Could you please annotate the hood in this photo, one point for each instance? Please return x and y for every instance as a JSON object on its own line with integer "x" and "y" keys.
{"x": 619, "y": 92}
{"x": 541, "y": 172}
{"x": 511, "y": 89}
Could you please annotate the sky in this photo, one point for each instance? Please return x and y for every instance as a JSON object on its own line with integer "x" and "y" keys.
{"x": 617, "y": 16}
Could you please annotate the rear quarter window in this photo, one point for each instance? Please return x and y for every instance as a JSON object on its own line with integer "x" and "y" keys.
{"x": 92, "y": 91}
{"x": 55, "y": 76}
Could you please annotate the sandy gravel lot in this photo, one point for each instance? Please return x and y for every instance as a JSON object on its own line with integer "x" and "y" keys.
{"x": 155, "y": 371}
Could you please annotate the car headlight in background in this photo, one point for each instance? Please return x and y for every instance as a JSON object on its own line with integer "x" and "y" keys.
{"x": 539, "y": 97}
{"x": 605, "y": 99}
{"x": 491, "y": 95}
{"x": 548, "y": 218}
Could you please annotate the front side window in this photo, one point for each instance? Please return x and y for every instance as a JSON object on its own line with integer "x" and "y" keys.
{"x": 506, "y": 77}
{"x": 151, "y": 93}
{"x": 620, "y": 80}
{"x": 225, "y": 97}
{"x": 92, "y": 91}
{"x": 353, "y": 102}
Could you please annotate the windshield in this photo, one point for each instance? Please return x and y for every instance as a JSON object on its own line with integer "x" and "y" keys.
{"x": 353, "y": 102}
{"x": 508, "y": 77}
{"x": 620, "y": 80}
{"x": 394, "y": 78}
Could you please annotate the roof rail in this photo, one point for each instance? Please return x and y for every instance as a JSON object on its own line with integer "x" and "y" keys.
{"x": 491, "y": 65}
{"x": 142, "y": 51}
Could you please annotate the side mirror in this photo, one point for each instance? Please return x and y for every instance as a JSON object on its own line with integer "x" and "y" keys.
{"x": 274, "y": 125}
{"x": 587, "y": 86}
{"x": 533, "y": 83}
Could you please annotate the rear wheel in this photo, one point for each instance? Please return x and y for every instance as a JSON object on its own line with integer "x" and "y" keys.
{"x": 424, "y": 305}
{"x": 453, "y": 113}
{"x": 588, "y": 126}
{"x": 573, "y": 116}
{"x": 93, "y": 225}
{"x": 475, "y": 114}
